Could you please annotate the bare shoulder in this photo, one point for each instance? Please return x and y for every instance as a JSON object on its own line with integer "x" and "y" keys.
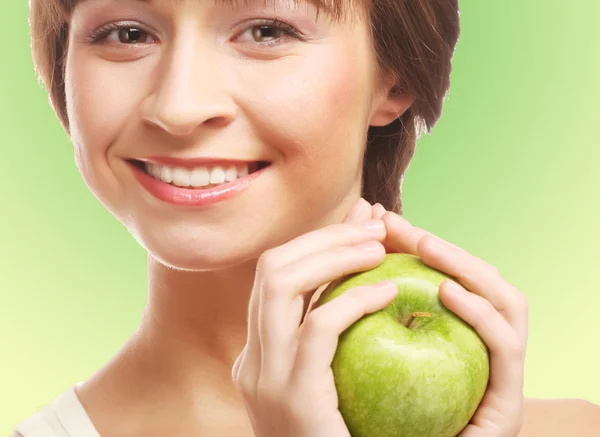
{"x": 560, "y": 417}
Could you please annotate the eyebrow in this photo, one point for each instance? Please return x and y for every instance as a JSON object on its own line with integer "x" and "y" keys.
{"x": 265, "y": 2}
{"x": 327, "y": 5}
{"x": 335, "y": 8}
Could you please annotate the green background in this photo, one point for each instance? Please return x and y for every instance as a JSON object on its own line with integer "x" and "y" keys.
{"x": 510, "y": 174}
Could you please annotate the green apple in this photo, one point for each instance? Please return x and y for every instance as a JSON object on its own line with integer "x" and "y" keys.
{"x": 412, "y": 369}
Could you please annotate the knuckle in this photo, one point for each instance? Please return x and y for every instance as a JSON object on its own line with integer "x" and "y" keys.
{"x": 356, "y": 296}
{"x": 266, "y": 261}
{"x": 244, "y": 384}
{"x": 317, "y": 322}
{"x": 494, "y": 271}
{"x": 514, "y": 348}
{"x": 490, "y": 271}
{"x": 487, "y": 311}
{"x": 518, "y": 302}
{"x": 272, "y": 284}
{"x": 523, "y": 302}
{"x": 271, "y": 392}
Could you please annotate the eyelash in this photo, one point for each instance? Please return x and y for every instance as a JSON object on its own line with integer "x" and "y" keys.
{"x": 100, "y": 34}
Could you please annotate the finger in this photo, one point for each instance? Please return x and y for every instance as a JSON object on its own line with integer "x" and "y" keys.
{"x": 251, "y": 359}
{"x": 364, "y": 214}
{"x": 344, "y": 234}
{"x": 378, "y": 211}
{"x": 313, "y": 242}
{"x": 474, "y": 273}
{"x": 402, "y": 236}
{"x": 505, "y": 347}
{"x": 361, "y": 212}
{"x": 285, "y": 293}
{"x": 322, "y": 239}
{"x": 357, "y": 210}
{"x": 320, "y": 332}
{"x": 479, "y": 277}
{"x": 236, "y": 365}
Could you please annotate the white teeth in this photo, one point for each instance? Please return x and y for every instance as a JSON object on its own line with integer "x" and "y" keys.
{"x": 231, "y": 173}
{"x": 153, "y": 170}
{"x": 166, "y": 175}
{"x": 181, "y": 177}
{"x": 199, "y": 176}
{"x": 217, "y": 175}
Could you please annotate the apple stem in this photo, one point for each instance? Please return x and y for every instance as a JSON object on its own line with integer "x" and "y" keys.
{"x": 415, "y": 315}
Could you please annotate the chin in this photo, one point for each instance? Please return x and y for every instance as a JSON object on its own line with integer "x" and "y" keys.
{"x": 198, "y": 258}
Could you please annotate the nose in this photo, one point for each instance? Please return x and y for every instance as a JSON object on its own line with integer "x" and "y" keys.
{"x": 188, "y": 91}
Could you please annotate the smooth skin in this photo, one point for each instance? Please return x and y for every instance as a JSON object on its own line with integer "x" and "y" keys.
{"x": 200, "y": 83}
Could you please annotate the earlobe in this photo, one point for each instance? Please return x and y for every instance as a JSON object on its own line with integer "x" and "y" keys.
{"x": 390, "y": 108}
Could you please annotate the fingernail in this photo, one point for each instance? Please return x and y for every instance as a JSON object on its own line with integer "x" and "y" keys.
{"x": 452, "y": 287}
{"x": 386, "y": 285}
{"x": 362, "y": 204}
{"x": 373, "y": 225}
{"x": 358, "y": 206}
{"x": 436, "y": 245}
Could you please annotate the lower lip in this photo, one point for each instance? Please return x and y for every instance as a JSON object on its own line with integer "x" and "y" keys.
{"x": 193, "y": 197}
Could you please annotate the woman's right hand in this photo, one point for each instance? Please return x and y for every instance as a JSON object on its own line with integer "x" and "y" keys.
{"x": 284, "y": 371}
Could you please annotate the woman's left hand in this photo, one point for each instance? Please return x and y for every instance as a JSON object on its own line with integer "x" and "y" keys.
{"x": 484, "y": 300}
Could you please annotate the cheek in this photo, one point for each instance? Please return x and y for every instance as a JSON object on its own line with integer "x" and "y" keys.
{"x": 101, "y": 98}
{"x": 317, "y": 106}
{"x": 98, "y": 115}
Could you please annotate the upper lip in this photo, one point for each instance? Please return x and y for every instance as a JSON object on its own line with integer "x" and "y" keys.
{"x": 193, "y": 162}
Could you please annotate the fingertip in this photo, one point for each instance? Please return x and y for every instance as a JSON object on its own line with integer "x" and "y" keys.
{"x": 387, "y": 289}
{"x": 393, "y": 219}
{"x": 451, "y": 292}
{"x": 365, "y": 212}
{"x": 430, "y": 247}
{"x": 378, "y": 211}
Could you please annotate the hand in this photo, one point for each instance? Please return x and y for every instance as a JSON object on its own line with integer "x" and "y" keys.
{"x": 284, "y": 371}
{"x": 493, "y": 307}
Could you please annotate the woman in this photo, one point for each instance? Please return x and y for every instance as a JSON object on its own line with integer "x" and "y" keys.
{"x": 279, "y": 118}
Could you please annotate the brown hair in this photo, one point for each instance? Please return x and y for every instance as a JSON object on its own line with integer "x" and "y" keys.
{"x": 414, "y": 40}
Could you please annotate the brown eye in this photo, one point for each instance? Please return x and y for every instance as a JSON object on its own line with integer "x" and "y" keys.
{"x": 269, "y": 32}
{"x": 133, "y": 35}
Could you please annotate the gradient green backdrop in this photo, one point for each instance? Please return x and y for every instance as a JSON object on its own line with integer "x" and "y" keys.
{"x": 511, "y": 174}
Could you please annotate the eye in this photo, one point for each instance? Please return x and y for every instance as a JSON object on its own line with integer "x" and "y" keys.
{"x": 123, "y": 33}
{"x": 273, "y": 31}
{"x": 270, "y": 32}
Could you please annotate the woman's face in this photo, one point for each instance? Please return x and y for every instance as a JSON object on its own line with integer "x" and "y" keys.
{"x": 191, "y": 79}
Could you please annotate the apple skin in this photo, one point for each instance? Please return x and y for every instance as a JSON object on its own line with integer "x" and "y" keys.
{"x": 395, "y": 381}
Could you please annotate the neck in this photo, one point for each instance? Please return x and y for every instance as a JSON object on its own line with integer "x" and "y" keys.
{"x": 195, "y": 326}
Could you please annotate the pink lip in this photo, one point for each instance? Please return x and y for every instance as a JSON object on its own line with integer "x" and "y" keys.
{"x": 192, "y": 196}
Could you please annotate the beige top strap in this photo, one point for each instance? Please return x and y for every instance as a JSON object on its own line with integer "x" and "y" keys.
{"x": 63, "y": 417}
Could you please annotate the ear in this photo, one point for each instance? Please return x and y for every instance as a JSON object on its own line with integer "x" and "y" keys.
{"x": 389, "y": 105}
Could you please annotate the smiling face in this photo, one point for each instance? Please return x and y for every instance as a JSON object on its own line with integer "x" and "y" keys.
{"x": 196, "y": 80}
